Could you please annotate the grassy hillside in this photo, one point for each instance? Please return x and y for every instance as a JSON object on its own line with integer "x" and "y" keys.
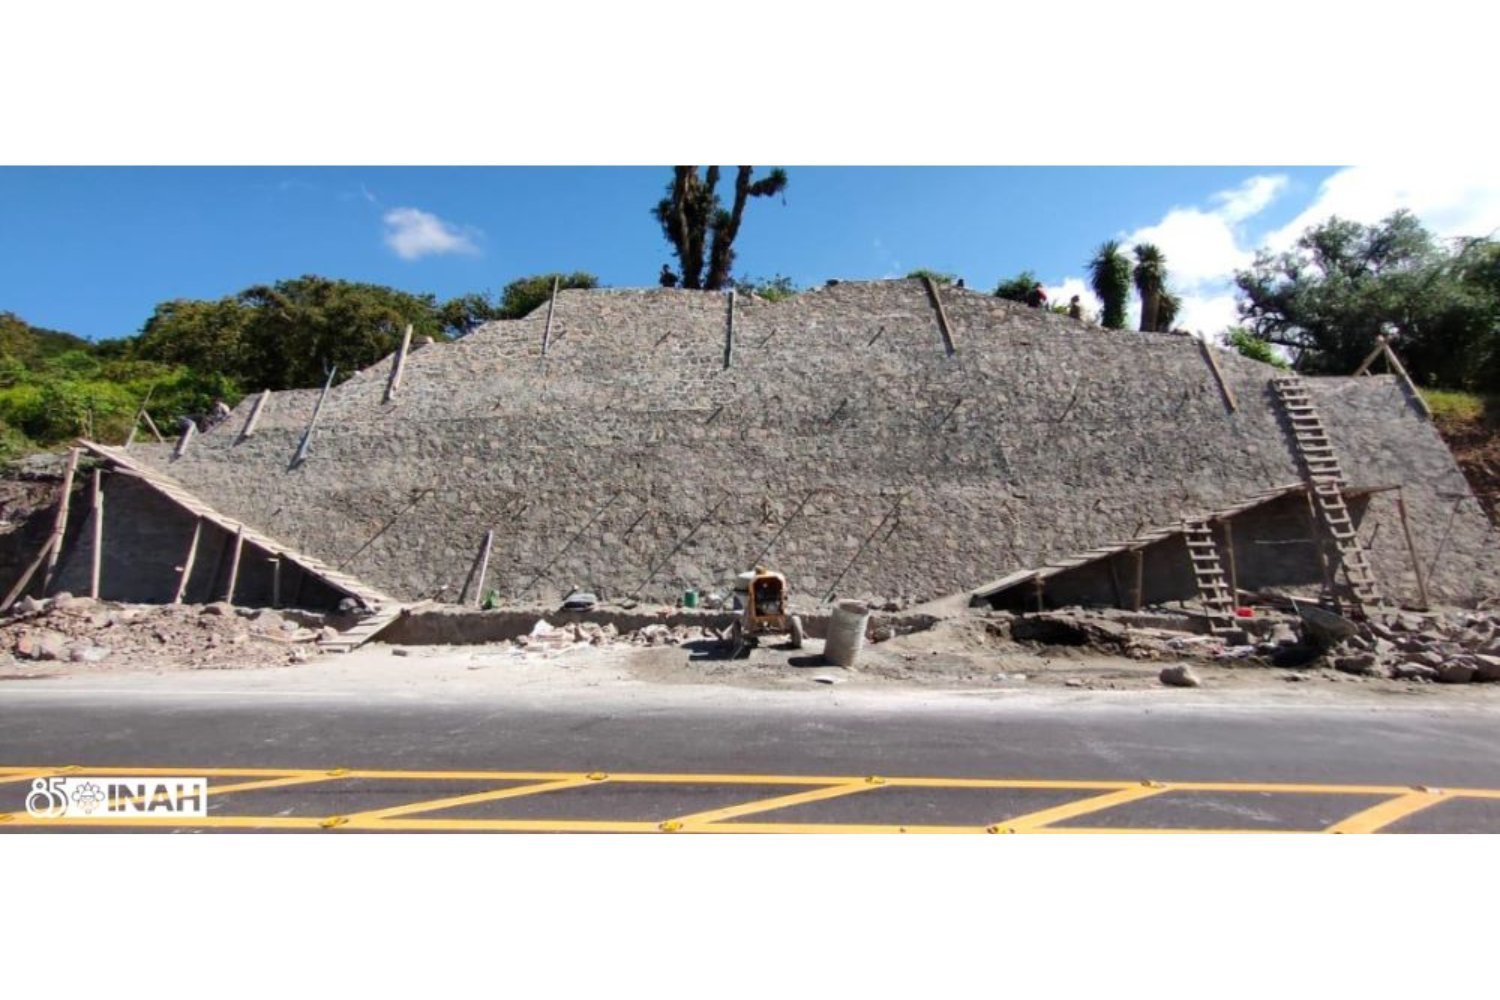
{"x": 1470, "y": 423}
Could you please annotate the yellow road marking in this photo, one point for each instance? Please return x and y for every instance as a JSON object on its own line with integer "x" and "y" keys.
{"x": 1070, "y": 810}
{"x": 233, "y": 822}
{"x": 24, "y": 776}
{"x": 697, "y": 820}
{"x": 1387, "y": 812}
{"x": 493, "y": 795}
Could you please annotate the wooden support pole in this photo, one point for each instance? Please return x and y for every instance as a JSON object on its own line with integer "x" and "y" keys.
{"x": 187, "y": 564}
{"x": 151, "y": 425}
{"x": 547, "y": 333}
{"x": 1234, "y": 576}
{"x": 20, "y": 585}
{"x": 1140, "y": 580}
{"x": 484, "y": 567}
{"x": 60, "y": 522}
{"x": 312, "y": 422}
{"x": 275, "y": 581}
{"x": 1318, "y": 543}
{"x": 398, "y": 363}
{"x": 1401, "y": 373}
{"x": 1411, "y": 549}
{"x": 1364, "y": 368}
{"x": 140, "y": 412}
{"x": 182, "y": 442}
{"x": 1036, "y": 582}
{"x": 729, "y": 334}
{"x": 98, "y": 505}
{"x": 254, "y": 419}
{"x": 1213, "y": 364}
{"x": 234, "y": 564}
{"x": 942, "y": 315}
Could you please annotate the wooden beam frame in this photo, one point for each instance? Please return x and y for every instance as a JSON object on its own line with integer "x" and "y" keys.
{"x": 398, "y": 364}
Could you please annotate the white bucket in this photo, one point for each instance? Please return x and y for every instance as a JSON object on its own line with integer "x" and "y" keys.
{"x": 846, "y": 633}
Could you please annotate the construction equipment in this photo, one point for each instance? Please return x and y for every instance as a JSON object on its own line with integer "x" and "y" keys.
{"x": 764, "y": 611}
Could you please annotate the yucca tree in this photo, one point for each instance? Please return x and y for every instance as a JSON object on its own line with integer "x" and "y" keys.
{"x": 1167, "y": 310}
{"x": 1109, "y": 276}
{"x": 1150, "y": 283}
{"x": 694, "y": 220}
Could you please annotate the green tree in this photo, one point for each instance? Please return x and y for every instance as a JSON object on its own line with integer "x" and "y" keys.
{"x": 1344, "y": 284}
{"x": 1150, "y": 283}
{"x": 771, "y": 289}
{"x": 300, "y": 327}
{"x": 1109, "y": 276}
{"x": 696, "y": 224}
{"x": 523, "y": 295}
{"x": 1251, "y": 346}
{"x": 1166, "y": 311}
{"x": 460, "y": 315}
{"x": 938, "y": 277}
{"x": 206, "y": 334}
{"x": 1016, "y": 289}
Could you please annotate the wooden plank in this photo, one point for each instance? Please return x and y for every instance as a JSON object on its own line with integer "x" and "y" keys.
{"x": 187, "y": 565}
{"x": 60, "y": 522}
{"x": 253, "y": 420}
{"x": 234, "y": 564}
{"x": 275, "y": 581}
{"x": 151, "y": 426}
{"x": 1213, "y": 364}
{"x": 1140, "y": 579}
{"x": 398, "y": 363}
{"x": 1364, "y": 367}
{"x": 1411, "y": 549}
{"x": 312, "y": 421}
{"x": 1234, "y": 578}
{"x": 182, "y": 442}
{"x": 729, "y": 334}
{"x": 20, "y": 585}
{"x": 1411, "y": 386}
{"x": 98, "y": 554}
{"x": 942, "y": 315}
{"x": 547, "y": 333}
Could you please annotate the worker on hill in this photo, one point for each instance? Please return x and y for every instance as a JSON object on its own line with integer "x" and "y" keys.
{"x": 667, "y": 279}
{"x": 1037, "y": 297}
{"x": 1075, "y": 308}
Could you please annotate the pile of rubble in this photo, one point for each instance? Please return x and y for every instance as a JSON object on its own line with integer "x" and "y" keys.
{"x": 82, "y": 633}
{"x": 1451, "y": 648}
{"x": 544, "y": 636}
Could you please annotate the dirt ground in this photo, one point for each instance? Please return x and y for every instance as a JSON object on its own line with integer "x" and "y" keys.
{"x": 963, "y": 653}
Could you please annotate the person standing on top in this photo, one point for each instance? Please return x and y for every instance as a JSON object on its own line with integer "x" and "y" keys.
{"x": 1075, "y": 308}
{"x": 667, "y": 278}
{"x": 1037, "y": 297}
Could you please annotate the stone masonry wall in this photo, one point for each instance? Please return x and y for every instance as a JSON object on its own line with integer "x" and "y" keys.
{"x": 842, "y": 444}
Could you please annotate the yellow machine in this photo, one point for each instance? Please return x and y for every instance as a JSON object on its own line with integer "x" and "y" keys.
{"x": 765, "y": 610}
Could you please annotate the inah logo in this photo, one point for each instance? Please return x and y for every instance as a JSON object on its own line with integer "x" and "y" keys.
{"x": 71, "y": 798}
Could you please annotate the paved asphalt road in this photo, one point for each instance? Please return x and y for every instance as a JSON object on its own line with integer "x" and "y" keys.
{"x": 566, "y": 762}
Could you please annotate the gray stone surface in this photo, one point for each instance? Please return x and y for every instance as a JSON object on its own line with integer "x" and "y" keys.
{"x": 842, "y": 446}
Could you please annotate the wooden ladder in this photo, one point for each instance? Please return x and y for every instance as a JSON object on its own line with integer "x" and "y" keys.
{"x": 367, "y": 629}
{"x": 1213, "y": 586}
{"x": 1323, "y": 474}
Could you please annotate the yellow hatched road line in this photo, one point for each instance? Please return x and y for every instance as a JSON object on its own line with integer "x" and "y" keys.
{"x": 1385, "y": 813}
{"x": 1397, "y": 801}
{"x": 1072, "y": 810}
{"x": 492, "y": 795}
{"x": 702, "y": 819}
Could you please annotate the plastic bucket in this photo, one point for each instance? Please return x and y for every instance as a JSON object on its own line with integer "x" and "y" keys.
{"x": 690, "y": 598}
{"x": 846, "y": 633}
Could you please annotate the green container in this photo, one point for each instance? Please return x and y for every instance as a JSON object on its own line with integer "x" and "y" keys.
{"x": 690, "y": 598}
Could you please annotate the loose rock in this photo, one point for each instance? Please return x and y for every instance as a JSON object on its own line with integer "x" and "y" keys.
{"x": 1180, "y": 675}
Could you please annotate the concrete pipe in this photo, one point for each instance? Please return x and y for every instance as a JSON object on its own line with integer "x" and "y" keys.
{"x": 846, "y": 633}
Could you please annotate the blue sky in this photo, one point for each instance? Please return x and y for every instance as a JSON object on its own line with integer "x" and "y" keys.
{"x": 92, "y": 250}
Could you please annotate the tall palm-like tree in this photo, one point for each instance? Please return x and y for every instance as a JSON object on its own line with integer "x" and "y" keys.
{"x": 1150, "y": 283}
{"x": 694, "y": 220}
{"x": 1167, "y": 310}
{"x": 1109, "y": 276}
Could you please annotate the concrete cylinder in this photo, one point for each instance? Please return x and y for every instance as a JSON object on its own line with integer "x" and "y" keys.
{"x": 846, "y": 633}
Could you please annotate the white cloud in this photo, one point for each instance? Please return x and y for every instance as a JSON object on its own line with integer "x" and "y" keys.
{"x": 1456, "y": 199}
{"x": 1070, "y": 286}
{"x": 413, "y": 233}
{"x": 1204, "y": 247}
